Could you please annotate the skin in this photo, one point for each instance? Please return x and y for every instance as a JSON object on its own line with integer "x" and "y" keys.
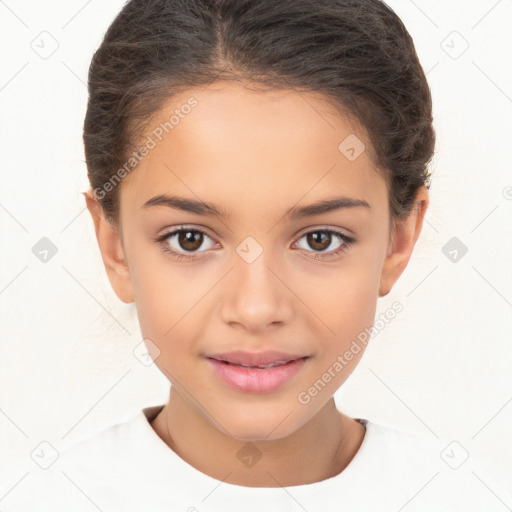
{"x": 256, "y": 154}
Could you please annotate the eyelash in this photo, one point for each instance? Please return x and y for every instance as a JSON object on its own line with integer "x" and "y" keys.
{"x": 347, "y": 243}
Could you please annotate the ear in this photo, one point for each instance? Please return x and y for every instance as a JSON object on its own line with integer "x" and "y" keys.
{"x": 403, "y": 238}
{"x": 112, "y": 250}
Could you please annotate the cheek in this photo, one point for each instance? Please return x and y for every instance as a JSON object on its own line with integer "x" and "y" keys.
{"x": 344, "y": 297}
{"x": 346, "y": 303}
{"x": 164, "y": 302}
{"x": 165, "y": 291}
{"x": 166, "y": 318}
{"x": 351, "y": 315}
{"x": 348, "y": 308}
{"x": 170, "y": 302}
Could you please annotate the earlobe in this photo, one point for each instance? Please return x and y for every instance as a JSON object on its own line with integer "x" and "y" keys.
{"x": 404, "y": 235}
{"x": 112, "y": 251}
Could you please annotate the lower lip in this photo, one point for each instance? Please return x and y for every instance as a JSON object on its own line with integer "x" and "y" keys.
{"x": 254, "y": 380}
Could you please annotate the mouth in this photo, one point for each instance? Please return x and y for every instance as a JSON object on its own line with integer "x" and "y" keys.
{"x": 266, "y": 359}
{"x": 256, "y": 378}
{"x": 275, "y": 364}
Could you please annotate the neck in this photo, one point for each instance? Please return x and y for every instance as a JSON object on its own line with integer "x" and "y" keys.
{"x": 328, "y": 442}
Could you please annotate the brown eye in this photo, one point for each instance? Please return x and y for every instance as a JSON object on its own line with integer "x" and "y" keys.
{"x": 324, "y": 243}
{"x": 319, "y": 240}
{"x": 185, "y": 240}
{"x": 190, "y": 240}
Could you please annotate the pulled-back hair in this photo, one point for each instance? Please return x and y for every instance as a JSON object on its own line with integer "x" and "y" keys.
{"x": 355, "y": 53}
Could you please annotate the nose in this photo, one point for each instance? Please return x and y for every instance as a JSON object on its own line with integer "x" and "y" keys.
{"x": 256, "y": 297}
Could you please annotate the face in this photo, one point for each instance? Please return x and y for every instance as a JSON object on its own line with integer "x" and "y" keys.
{"x": 264, "y": 273}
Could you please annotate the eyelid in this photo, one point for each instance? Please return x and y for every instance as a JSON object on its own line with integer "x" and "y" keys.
{"x": 183, "y": 227}
{"x": 201, "y": 229}
{"x": 342, "y": 231}
{"x": 173, "y": 231}
{"x": 347, "y": 240}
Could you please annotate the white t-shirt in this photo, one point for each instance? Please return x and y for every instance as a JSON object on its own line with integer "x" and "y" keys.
{"x": 127, "y": 467}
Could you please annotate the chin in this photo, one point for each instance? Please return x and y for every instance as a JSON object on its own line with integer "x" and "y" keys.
{"x": 260, "y": 425}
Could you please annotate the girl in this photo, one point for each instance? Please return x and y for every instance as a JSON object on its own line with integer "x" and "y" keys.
{"x": 259, "y": 178}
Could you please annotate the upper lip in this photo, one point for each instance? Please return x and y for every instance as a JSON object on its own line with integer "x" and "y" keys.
{"x": 256, "y": 358}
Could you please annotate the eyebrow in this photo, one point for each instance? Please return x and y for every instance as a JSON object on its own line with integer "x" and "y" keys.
{"x": 296, "y": 212}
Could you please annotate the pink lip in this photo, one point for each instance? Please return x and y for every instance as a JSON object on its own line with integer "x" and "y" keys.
{"x": 256, "y": 380}
{"x": 255, "y": 358}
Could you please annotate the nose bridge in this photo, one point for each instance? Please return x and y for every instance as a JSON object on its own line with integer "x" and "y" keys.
{"x": 256, "y": 298}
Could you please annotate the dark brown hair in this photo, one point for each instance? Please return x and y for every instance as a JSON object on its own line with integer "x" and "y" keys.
{"x": 356, "y": 53}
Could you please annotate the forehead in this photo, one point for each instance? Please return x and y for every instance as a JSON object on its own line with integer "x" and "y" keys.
{"x": 248, "y": 148}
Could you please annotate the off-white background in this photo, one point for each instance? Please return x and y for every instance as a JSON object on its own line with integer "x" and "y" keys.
{"x": 441, "y": 368}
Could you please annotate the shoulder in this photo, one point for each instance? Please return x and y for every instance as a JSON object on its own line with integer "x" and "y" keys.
{"x": 81, "y": 474}
{"x": 430, "y": 473}
{"x": 115, "y": 445}
{"x": 399, "y": 446}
